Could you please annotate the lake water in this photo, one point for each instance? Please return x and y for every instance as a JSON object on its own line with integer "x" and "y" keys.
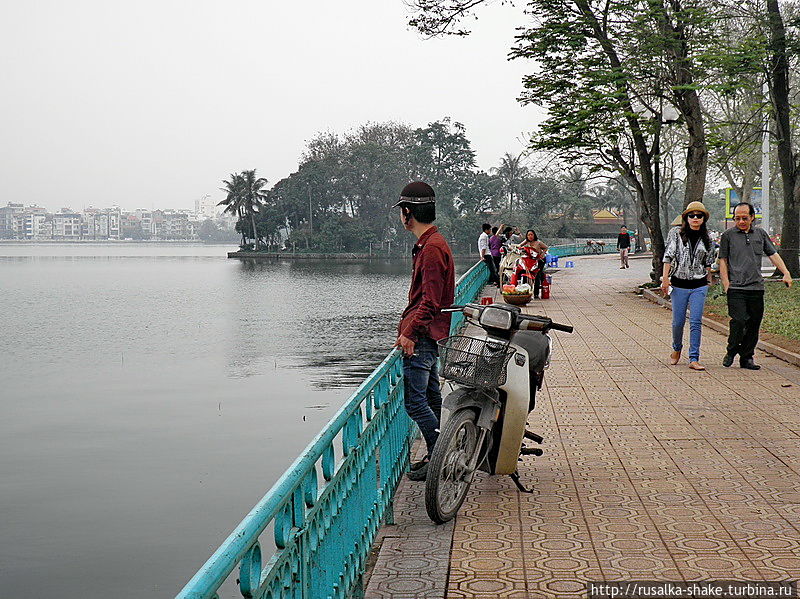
{"x": 151, "y": 394}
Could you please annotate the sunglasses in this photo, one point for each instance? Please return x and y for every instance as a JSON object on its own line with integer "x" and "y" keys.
{"x": 695, "y": 215}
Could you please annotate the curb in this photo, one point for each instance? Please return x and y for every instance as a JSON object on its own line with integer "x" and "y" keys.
{"x": 778, "y": 352}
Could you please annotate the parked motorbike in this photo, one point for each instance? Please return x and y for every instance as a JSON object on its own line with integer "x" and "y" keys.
{"x": 494, "y": 378}
{"x": 520, "y": 265}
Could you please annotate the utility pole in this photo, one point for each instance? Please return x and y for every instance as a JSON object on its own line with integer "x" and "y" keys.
{"x": 765, "y": 169}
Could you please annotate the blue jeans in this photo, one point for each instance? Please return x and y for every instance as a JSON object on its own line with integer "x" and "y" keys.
{"x": 423, "y": 398}
{"x": 694, "y": 299}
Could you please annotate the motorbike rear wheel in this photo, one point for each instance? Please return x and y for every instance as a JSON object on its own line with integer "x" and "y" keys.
{"x": 449, "y": 473}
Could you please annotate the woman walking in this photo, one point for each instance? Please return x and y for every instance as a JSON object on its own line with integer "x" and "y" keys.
{"x": 687, "y": 266}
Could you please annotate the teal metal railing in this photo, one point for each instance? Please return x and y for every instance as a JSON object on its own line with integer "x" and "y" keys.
{"x": 578, "y": 249}
{"x": 324, "y": 512}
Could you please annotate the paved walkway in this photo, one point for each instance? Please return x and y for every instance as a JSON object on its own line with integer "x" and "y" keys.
{"x": 650, "y": 471}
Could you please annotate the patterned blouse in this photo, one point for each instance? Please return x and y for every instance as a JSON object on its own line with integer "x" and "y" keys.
{"x": 685, "y": 263}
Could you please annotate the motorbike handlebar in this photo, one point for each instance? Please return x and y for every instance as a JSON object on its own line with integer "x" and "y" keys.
{"x": 524, "y": 321}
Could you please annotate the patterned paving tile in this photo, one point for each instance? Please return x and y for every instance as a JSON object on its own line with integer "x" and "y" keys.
{"x": 649, "y": 471}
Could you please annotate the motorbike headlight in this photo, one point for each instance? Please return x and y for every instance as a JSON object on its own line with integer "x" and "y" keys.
{"x": 496, "y": 318}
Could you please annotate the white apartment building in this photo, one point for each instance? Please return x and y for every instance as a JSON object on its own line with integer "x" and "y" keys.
{"x": 101, "y": 224}
{"x": 67, "y": 225}
{"x": 205, "y": 208}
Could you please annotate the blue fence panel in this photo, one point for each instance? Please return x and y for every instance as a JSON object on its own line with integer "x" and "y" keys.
{"x": 325, "y": 510}
{"x": 578, "y": 249}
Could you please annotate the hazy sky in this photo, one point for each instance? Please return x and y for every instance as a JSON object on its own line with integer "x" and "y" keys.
{"x": 146, "y": 103}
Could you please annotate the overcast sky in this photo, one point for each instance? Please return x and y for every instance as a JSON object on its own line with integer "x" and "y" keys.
{"x": 150, "y": 104}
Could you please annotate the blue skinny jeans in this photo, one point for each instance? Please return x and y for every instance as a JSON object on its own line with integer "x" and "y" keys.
{"x": 694, "y": 299}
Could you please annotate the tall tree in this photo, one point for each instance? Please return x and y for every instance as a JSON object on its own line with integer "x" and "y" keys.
{"x": 245, "y": 195}
{"x": 511, "y": 171}
{"x": 605, "y": 68}
{"x": 787, "y": 158}
{"x": 233, "y": 202}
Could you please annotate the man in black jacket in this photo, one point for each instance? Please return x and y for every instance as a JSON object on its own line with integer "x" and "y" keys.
{"x": 624, "y": 246}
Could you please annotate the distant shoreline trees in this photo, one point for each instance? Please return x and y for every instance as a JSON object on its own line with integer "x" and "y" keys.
{"x": 340, "y": 198}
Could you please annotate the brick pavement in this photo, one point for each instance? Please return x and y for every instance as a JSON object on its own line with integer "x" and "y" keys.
{"x": 650, "y": 471}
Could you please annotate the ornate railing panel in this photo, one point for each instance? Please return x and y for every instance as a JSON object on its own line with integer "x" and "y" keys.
{"x": 323, "y": 514}
{"x": 578, "y": 249}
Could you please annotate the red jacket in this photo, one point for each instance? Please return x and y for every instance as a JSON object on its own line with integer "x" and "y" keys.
{"x": 433, "y": 283}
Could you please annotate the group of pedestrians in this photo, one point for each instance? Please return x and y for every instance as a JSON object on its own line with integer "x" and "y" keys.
{"x": 495, "y": 242}
{"x": 688, "y": 258}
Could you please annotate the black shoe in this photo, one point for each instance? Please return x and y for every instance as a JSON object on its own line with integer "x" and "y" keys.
{"x": 420, "y": 464}
{"x": 728, "y": 360}
{"x": 420, "y": 473}
{"x": 749, "y": 364}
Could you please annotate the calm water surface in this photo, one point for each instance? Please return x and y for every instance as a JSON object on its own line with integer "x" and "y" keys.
{"x": 150, "y": 395}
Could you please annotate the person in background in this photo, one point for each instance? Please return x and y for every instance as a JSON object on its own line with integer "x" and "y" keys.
{"x": 507, "y": 235}
{"x": 423, "y": 323}
{"x": 495, "y": 247}
{"x": 516, "y": 236}
{"x": 532, "y": 241}
{"x": 486, "y": 255}
{"x": 740, "y": 251}
{"x": 624, "y": 246}
{"x": 688, "y": 257}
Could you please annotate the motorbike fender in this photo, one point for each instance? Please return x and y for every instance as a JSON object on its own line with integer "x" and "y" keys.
{"x": 484, "y": 403}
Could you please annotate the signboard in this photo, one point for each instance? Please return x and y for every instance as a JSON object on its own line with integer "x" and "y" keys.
{"x": 732, "y": 198}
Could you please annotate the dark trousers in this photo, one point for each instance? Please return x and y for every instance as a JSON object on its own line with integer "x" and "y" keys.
{"x": 537, "y": 285}
{"x": 493, "y": 278}
{"x": 746, "y": 309}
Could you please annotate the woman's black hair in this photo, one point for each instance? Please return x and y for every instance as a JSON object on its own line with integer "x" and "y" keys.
{"x": 703, "y": 231}
{"x": 507, "y": 230}
{"x": 535, "y": 236}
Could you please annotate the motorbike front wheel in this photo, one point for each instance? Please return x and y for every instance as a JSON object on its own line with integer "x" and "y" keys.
{"x": 449, "y": 472}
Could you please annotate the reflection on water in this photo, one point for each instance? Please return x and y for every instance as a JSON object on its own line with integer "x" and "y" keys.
{"x": 151, "y": 394}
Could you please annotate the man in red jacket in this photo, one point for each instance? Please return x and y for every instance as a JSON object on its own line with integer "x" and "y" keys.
{"x": 422, "y": 323}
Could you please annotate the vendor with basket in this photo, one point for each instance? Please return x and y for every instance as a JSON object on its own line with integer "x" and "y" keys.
{"x": 532, "y": 241}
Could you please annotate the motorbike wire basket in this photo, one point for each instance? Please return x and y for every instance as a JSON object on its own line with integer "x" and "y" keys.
{"x": 475, "y": 362}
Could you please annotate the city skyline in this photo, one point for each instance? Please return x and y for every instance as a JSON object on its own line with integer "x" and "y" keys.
{"x": 36, "y": 223}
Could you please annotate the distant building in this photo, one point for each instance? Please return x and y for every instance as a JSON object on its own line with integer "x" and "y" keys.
{"x": 205, "y": 208}
{"x": 18, "y": 221}
{"x": 131, "y": 226}
{"x": 176, "y": 225}
{"x": 67, "y": 225}
{"x": 9, "y": 220}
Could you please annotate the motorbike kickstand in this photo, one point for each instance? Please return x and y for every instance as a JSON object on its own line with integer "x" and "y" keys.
{"x": 520, "y": 486}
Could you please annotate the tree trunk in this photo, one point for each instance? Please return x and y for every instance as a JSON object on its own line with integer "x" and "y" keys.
{"x": 644, "y": 184}
{"x": 779, "y": 88}
{"x": 697, "y": 152}
{"x": 255, "y": 231}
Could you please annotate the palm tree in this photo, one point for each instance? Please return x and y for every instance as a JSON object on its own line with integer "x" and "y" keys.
{"x": 233, "y": 200}
{"x": 245, "y": 195}
{"x": 511, "y": 172}
{"x": 254, "y": 198}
